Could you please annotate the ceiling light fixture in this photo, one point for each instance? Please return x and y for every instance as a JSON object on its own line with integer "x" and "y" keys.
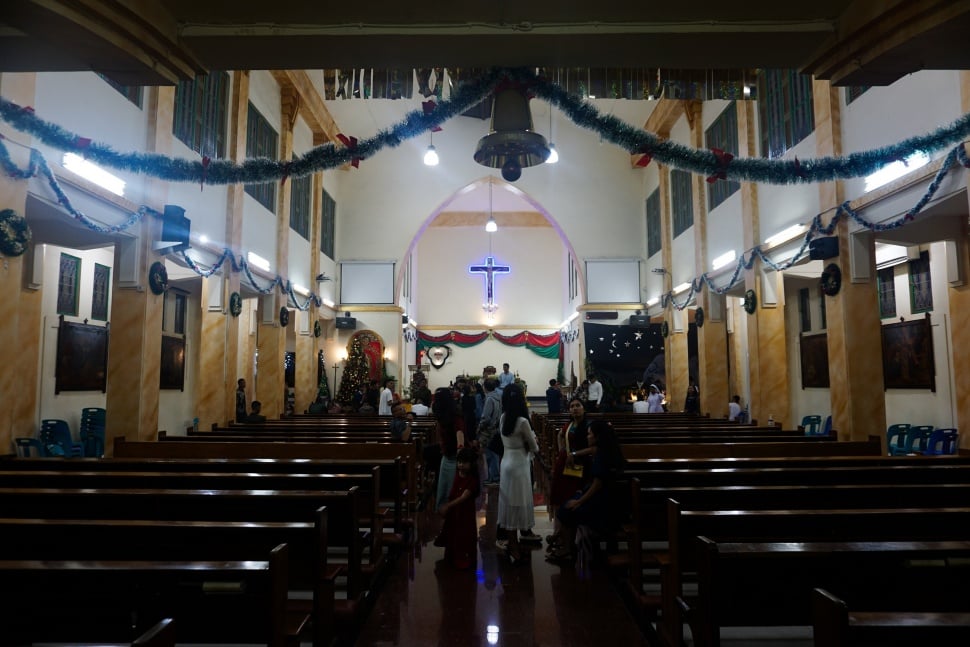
{"x": 511, "y": 143}
{"x": 491, "y": 226}
{"x": 553, "y": 153}
{"x": 431, "y": 156}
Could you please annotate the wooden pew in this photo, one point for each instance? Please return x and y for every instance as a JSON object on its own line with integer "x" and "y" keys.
{"x": 70, "y": 600}
{"x": 836, "y": 524}
{"x": 871, "y": 447}
{"x": 770, "y": 584}
{"x": 161, "y": 635}
{"x": 835, "y": 625}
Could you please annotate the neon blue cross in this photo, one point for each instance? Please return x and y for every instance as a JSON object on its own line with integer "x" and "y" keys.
{"x": 489, "y": 269}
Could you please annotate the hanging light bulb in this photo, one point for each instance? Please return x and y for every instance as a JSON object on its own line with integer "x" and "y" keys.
{"x": 553, "y": 153}
{"x": 431, "y": 156}
{"x": 491, "y": 226}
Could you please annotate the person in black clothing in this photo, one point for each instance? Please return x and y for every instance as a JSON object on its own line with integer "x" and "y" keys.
{"x": 692, "y": 404}
{"x": 255, "y": 416}
{"x": 554, "y": 397}
{"x": 241, "y": 400}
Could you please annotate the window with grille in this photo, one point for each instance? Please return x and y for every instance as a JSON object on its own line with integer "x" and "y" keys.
{"x": 723, "y": 134}
{"x": 300, "y": 192}
{"x": 682, "y": 201}
{"x": 823, "y": 315}
{"x": 202, "y": 113}
{"x": 853, "y": 92}
{"x": 785, "y": 110}
{"x": 131, "y": 92}
{"x": 805, "y": 309}
{"x": 261, "y": 141}
{"x": 887, "y": 293}
{"x": 328, "y": 219}
{"x": 654, "y": 243}
{"x": 920, "y": 287}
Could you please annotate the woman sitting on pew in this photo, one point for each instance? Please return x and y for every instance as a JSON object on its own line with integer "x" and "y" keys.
{"x": 567, "y": 482}
{"x": 593, "y": 507}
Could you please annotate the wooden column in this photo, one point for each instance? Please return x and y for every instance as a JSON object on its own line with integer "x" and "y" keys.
{"x": 854, "y": 340}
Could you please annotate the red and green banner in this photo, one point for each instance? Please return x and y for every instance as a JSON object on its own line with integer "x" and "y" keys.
{"x": 546, "y": 346}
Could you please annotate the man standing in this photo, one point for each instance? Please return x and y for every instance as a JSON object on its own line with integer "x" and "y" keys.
{"x": 241, "y": 412}
{"x": 387, "y": 397}
{"x": 554, "y": 397}
{"x": 488, "y": 428}
{"x": 595, "y": 395}
{"x": 505, "y": 378}
{"x": 400, "y": 423}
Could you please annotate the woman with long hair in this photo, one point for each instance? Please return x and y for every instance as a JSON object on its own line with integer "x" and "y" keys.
{"x": 446, "y": 415}
{"x": 567, "y": 482}
{"x": 592, "y": 507}
{"x": 516, "y": 507}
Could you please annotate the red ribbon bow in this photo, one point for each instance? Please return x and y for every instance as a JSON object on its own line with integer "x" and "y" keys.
{"x": 723, "y": 159}
{"x": 82, "y": 142}
{"x": 645, "y": 159}
{"x": 351, "y": 144}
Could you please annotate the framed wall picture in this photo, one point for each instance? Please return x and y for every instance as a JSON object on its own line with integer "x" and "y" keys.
{"x": 101, "y": 292}
{"x": 907, "y": 355}
{"x": 173, "y": 363}
{"x": 814, "y": 353}
{"x": 82, "y": 357}
{"x": 68, "y": 281}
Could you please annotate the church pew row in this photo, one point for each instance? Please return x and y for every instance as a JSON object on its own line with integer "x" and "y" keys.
{"x": 727, "y": 449}
{"x": 770, "y": 584}
{"x": 95, "y": 601}
{"x": 679, "y": 562}
{"x": 345, "y": 541}
{"x": 391, "y": 482}
{"x": 835, "y": 625}
{"x": 407, "y": 452}
{"x": 162, "y": 634}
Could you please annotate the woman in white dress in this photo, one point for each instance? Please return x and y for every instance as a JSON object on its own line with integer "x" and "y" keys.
{"x": 655, "y": 400}
{"x": 516, "y": 508}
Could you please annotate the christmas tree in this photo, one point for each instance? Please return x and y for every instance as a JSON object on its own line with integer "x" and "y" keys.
{"x": 355, "y": 372}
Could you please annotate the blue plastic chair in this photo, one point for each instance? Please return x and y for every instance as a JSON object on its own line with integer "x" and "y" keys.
{"x": 942, "y": 441}
{"x": 29, "y": 448}
{"x": 896, "y": 438}
{"x": 812, "y": 425}
{"x": 827, "y": 427}
{"x": 917, "y": 439}
{"x": 56, "y": 433}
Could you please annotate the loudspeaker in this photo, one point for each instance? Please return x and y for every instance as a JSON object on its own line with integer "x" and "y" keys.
{"x": 820, "y": 249}
{"x": 175, "y": 230}
{"x": 640, "y": 321}
{"x": 346, "y": 323}
{"x": 603, "y": 315}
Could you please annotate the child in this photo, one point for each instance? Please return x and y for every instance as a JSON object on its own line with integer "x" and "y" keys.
{"x": 459, "y": 534}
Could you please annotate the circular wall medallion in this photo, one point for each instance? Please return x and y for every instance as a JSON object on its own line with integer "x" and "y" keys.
{"x": 235, "y": 304}
{"x": 157, "y": 278}
{"x": 699, "y": 317}
{"x": 664, "y": 329}
{"x": 284, "y": 316}
{"x": 14, "y": 233}
{"x": 317, "y": 328}
{"x": 831, "y": 281}
{"x": 438, "y": 355}
{"x": 750, "y": 302}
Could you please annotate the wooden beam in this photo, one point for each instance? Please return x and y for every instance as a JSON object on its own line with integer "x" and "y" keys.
{"x": 311, "y": 106}
{"x": 664, "y": 117}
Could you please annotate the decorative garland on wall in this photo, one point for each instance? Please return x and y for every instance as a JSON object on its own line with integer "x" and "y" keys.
{"x": 713, "y": 163}
{"x": 546, "y": 346}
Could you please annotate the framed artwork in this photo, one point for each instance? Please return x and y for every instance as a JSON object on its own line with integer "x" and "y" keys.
{"x": 67, "y": 285}
{"x": 82, "y": 357}
{"x": 814, "y": 350}
{"x": 101, "y": 292}
{"x": 173, "y": 363}
{"x": 907, "y": 355}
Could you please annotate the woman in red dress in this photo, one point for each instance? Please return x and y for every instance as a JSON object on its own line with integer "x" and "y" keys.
{"x": 459, "y": 534}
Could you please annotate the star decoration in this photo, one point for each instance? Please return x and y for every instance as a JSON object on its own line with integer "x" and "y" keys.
{"x": 627, "y": 344}
{"x": 638, "y": 335}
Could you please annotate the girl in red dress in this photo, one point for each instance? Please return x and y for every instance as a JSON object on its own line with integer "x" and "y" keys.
{"x": 459, "y": 534}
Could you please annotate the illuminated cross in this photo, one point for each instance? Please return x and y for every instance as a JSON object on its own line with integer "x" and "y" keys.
{"x": 489, "y": 269}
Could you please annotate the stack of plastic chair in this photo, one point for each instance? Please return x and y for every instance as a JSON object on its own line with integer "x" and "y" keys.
{"x": 942, "y": 441}
{"x": 827, "y": 427}
{"x": 92, "y": 431}
{"x": 812, "y": 425}
{"x": 54, "y": 435}
{"x": 918, "y": 439}
{"x": 896, "y": 438}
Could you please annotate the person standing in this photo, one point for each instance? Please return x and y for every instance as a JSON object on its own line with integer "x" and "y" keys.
{"x": 459, "y": 533}
{"x": 516, "y": 506}
{"x": 595, "y": 394}
{"x": 505, "y": 378}
{"x": 734, "y": 408}
{"x": 447, "y": 421}
{"x": 554, "y": 397}
{"x": 488, "y": 428}
{"x": 566, "y": 483}
{"x": 241, "y": 411}
{"x": 386, "y": 398}
{"x": 655, "y": 401}
{"x": 692, "y": 404}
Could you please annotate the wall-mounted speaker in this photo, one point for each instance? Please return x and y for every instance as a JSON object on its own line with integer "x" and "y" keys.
{"x": 640, "y": 321}
{"x": 346, "y": 323}
{"x": 602, "y": 315}
{"x": 820, "y": 249}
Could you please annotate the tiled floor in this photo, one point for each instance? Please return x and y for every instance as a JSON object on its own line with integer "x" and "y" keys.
{"x": 533, "y": 604}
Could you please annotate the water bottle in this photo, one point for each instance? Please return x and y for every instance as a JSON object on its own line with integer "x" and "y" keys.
{"x": 771, "y": 420}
